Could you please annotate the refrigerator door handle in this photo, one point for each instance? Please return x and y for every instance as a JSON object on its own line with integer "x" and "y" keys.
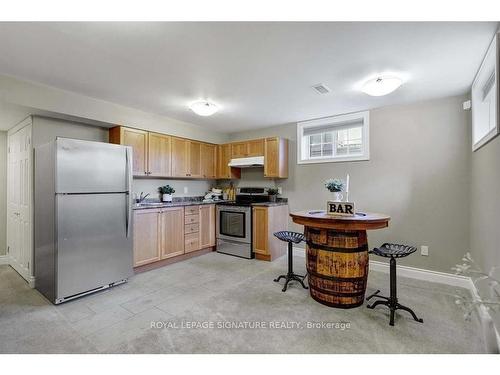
{"x": 129, "y": 193}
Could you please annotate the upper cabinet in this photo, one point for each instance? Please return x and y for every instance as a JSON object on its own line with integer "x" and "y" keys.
{"x": 194, "y": 159}
{"x": 223, "y": 158}
{"x": 255, "y": 147}
{"x": 138, "y": 140}
{"x": 180, "y": 157}
{"x": 276, "y": 157}
{"x": 247, "y": 149}
{"x": 164, "y": 156}
{"x": 208, "y": 157}
{"x": 161, "y": 155}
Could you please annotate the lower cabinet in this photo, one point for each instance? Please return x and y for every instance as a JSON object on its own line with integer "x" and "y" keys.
{"x": 266, "y": 221}
{"x": 169, "y": 232}
{"x": 146, "y": 236}
{"x": 199, "y": 224}
{"x": 207, "y": 225}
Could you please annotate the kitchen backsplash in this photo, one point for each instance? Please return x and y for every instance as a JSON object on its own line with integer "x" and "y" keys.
{"x": 250, "y": 177}
{"x": 183, "y": 188}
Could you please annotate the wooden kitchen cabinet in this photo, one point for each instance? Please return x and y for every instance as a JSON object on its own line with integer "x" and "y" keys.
{"x": 239, "y": 150}
{"x": 171, "y": 232}
{"x": 180, "y": 157}
{"x": 246, "y": 149}
{"x": 255, "y": 147}
{"x": 208, "y": 157}
{"x": 223, "y": 159}
{"x": 207, "y": 225}
{"x": 138, "y": 140}
{"x": 276, "y": 157}
{"x": 194, "y": 153}
{"x": 159, "y": 155}
{"x": 164, "y": 156}
{"x": 146, "y": 236}
{"x": 266, "y": 221}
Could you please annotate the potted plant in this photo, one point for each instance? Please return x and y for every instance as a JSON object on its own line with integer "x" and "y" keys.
{"x": 166, "y": 193}
{"x": 273, "y": 193}
{"x": 335, "y": 185}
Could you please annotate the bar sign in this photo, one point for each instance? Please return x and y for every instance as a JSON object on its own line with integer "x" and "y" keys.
{"x": 340, "y": 208}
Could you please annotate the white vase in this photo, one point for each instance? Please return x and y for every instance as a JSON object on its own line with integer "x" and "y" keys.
{"x": 338, "y": 196}
{"x": 166, "y": 198}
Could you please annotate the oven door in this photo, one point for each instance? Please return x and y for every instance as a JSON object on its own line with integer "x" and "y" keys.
{"x": 234, "y": 223}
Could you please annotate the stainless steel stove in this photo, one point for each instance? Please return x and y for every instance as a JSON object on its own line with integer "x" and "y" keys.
{"x": 234, "y": 222}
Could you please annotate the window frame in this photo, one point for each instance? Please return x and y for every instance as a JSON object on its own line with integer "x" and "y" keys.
{"x": 365, "y": 155}
{"x": 493, "y": 47}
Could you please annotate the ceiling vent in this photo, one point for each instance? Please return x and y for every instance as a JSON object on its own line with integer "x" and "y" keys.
{"x": 321, "y": 89}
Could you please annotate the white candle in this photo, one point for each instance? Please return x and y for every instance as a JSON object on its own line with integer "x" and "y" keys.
{"x": 347, "y": 184}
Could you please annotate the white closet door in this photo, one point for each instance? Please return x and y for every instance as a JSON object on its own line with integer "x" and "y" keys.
{"x": 19, "y": 203}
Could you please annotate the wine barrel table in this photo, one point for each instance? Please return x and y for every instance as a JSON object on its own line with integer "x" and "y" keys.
{"x": 337, "y": 255}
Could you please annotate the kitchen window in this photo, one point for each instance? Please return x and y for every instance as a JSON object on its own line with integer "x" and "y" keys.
{"x": 334, "y": 139}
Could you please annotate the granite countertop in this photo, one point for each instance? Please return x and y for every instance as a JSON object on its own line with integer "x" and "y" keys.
{"x": 157, "y": 204}
{"x": 194, "y": 202}
{"x": 271, "y": 204}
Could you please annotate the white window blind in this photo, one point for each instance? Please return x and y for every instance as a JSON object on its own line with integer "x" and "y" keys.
{"x": 338, "y": 138}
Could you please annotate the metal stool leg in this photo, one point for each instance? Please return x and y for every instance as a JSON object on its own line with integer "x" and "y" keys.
{"x": 290, "y": 274}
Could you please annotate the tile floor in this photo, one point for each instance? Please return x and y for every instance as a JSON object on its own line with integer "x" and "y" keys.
{"x": 216, "y": 288}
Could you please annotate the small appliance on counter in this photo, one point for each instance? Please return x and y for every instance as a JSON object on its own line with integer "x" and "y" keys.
{"x": 213, "y": 196}
{"x": 234, "y": 222}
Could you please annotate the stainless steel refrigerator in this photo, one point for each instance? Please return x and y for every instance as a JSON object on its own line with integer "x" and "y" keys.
{"x": 83, "y": 217}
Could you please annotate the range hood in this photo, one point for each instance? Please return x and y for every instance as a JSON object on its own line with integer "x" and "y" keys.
{"x": 257, "y": 161}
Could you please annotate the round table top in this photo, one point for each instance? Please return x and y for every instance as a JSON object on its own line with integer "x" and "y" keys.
{"x": 360, "y": 221}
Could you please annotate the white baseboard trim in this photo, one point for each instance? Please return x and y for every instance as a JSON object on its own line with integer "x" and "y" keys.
{"x": 425, "y": 275}
{"x": 490, "y": 332}
{"x": 414, "y": 273}
{"x": 4, "y": 259}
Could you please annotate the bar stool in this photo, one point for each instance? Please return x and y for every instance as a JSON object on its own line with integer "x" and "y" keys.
{"x": 393, "y": 251}
{"x": 291, "y": 238}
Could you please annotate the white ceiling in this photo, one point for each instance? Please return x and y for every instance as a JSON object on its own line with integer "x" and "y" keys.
{"x": 259, "y": 73}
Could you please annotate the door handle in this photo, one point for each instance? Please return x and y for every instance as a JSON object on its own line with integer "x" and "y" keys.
{"x": 128, "y": 214}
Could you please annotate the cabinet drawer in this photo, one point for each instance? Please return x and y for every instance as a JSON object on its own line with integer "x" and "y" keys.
{"x": 191, "y": 210}
{"x": 192, "y": 242}
{"x": 192, "y": 228}
{"x": 192, "y": 219}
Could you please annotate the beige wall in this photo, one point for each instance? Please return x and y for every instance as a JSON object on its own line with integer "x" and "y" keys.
{"x": 418, "y": 173}
{"x": 46, "y": 129}
{"x": 485, "y": 205}
{"x": 3, "y": 193}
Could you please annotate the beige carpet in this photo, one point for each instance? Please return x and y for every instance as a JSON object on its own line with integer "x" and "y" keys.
{"x": 221, "y": 304}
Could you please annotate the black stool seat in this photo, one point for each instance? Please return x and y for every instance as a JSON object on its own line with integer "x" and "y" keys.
{"x": 288, "y": 236}
{"x": 388, "y": 250}
{"x": 291, "y": 238}
{"x": 393, "y": 251}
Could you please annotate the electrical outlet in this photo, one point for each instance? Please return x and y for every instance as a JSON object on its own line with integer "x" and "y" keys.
{"x": 185, "y": 189}
{"x": 424, "y": 250}
{"x": 280, "y": 190}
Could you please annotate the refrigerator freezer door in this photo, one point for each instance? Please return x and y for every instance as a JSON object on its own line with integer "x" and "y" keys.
{"x": 91, "y": 167}
{"x": 92, "y": 244}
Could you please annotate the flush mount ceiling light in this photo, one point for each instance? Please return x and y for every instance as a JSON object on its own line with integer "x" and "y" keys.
{"x": 203, "y": 108}
{"x": 381, "y": 85}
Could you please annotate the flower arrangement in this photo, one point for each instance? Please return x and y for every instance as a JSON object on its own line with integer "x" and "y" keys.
{"x": 335, "y": 185}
